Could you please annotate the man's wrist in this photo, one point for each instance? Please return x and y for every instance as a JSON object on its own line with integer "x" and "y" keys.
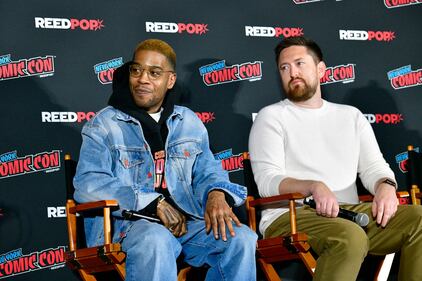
{"x": 390, "y": 182}
{"x": 227, "y": 197}
{"x": 386, "y": 182}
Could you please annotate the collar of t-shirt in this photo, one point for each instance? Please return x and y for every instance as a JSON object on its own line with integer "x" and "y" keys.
{"x": 156, "y": 116}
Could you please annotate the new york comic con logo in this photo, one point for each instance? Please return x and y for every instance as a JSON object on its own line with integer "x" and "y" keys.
{"x": 219, "y": 73}
{"x": 405, "y": 77}
{"x": 72, "y": 24}
{"x": 402, "y": 158}
{"x": 400, "y": 3}
{"x": 36, "y": 66}
{"x": 104, "y": 70}
{"x": 340, "y": 73}
{"x": 172, "y": 27}
{"x": 15, "y": 262}
{"x": 229, "y": 161}
{"x": 12, "y": 165}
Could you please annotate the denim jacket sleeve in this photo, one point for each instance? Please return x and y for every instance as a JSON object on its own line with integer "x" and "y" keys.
{"x": 95, "y": 180}
{"x": 208, "y": 174}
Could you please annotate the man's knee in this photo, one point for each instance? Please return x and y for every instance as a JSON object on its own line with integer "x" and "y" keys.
{"x": 346, "y": 238}
{"x": 245, "y": 238}
{"x": 151, "y": 238}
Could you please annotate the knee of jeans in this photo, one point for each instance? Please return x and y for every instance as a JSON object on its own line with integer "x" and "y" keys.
{"x": 244, "y": 238}
{"x": 152, "y": 239}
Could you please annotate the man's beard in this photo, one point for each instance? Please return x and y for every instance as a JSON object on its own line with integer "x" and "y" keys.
{"x": 300, "y": 92}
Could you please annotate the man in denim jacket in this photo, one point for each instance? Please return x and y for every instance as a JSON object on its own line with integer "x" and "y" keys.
{"x": 154, "y": 157}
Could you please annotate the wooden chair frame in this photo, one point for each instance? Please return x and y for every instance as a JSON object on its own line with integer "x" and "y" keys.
{"x": 413, "y": 174}
{"x": 109, "y": 256}
{"x": 294, "y": 245}
{"x": 273, "y": 250}
{"x": 88, "y": 261}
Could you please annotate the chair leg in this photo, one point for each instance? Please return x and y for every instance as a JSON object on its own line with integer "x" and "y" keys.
{"x": 269, "y": 271}
{"x": 121, "y": 270}
{"x": 183, "y": 274}
{"x": 384, "y": 268}
{"x": 309, "y": 262}
{"x": 86, "y": 276}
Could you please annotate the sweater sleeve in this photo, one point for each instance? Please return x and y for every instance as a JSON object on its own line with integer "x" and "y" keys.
{"x": 266, "y": 148}
{"x": 372, "y": 165}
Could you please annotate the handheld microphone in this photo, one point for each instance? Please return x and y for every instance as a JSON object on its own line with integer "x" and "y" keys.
{"x": 361, "y": 219}
{"x": 130, "y": 215}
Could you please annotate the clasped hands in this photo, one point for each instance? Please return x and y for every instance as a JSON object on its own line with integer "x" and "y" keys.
{"x": 218, "y": 217}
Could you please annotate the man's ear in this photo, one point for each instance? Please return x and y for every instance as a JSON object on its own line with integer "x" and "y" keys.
{"x": 321, "y": 69}
{"x": 171, "y": 81}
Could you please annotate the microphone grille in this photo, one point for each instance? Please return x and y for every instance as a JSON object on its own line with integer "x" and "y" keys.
{"x": 362, "y": 219}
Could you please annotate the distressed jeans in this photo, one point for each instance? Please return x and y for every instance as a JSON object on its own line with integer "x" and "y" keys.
{"x": 151, "y": 252}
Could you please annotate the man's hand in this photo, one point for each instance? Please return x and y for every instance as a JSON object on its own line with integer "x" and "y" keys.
{"x": 173, "y": 220}
{"x": 326, "y": 202}
{"x": 385, "y": 202}
{"x": 218, "y": 214}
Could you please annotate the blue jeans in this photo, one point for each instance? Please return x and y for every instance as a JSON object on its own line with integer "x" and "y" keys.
{"x": 152, "y": 252}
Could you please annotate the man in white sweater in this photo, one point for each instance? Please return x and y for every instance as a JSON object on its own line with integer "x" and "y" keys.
{"x": 309, "y": 145}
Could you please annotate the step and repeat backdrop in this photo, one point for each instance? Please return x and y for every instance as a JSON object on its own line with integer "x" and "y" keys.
{"x": 57, "y": 60}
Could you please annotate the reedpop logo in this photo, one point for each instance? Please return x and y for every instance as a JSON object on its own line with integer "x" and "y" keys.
{"x": 267, "y": 31}
{"x": 72, "y": 24}
{"x": 206, "y": 117}
{"x": 172, "y": 27}
{"x": 363, "y": 35}
{"x": 297, "y": 2}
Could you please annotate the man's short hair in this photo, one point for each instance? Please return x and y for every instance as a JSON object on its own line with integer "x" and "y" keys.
{"x": 312, "y": 47}
{"x": 158, "y": 46}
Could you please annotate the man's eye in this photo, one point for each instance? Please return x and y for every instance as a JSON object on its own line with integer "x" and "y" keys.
{"x": 155, "y": 73}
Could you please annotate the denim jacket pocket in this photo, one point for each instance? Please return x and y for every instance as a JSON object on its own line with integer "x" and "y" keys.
{"x": 182, "y": 156}
{"x": 129, "y": 158}
{"x": 129, "y": 164}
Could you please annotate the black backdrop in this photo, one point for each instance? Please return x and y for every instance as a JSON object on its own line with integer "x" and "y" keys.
{"x": 57, "y": 59}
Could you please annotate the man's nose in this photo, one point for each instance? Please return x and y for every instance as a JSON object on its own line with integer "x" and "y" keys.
{"x": 294, "y": 72}
{"x": 143, "y": 78}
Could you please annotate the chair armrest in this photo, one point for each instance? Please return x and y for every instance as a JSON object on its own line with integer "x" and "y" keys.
{"x": 366, "y": 198}
{"x": 279, "y": 201}
{"x": 370, "y": 197}
{"x": 275, "y": 201}
{"x": 93, "y": 205}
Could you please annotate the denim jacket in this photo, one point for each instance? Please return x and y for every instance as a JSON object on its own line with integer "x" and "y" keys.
{"x": 116, "y": 163}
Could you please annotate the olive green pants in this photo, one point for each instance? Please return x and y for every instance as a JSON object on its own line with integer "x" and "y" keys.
{"x": 341, "y": 245}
